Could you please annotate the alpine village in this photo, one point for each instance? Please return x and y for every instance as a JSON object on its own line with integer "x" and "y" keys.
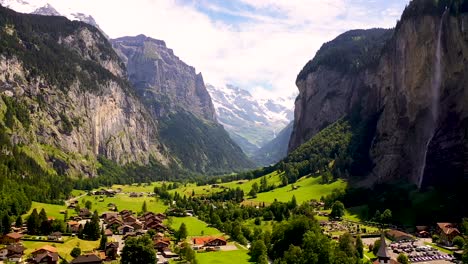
{"x": 114, "y": 150}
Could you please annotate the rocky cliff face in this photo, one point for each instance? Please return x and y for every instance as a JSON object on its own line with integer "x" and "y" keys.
{"x": 417, "y": 87}
{"x": 160, "y": 76}
{"x": 79, "y": 107}
{"x": 177, "y": 97}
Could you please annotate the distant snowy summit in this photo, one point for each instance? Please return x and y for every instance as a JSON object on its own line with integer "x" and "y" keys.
{"x": 250, "y": 121}
{"x": 43, "y": 8}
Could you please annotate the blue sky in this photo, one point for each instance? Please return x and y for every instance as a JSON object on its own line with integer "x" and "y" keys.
{"x": 258, "y": 45}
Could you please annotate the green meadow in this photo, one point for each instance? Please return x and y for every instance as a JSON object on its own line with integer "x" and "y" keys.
{"x": 307, "y": 189}
{"x": 195, "y": 227}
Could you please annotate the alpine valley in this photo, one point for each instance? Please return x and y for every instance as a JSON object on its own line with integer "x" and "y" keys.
{"x": 116, "y": 150}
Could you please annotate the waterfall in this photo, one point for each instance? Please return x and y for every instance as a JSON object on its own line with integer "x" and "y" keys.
{"x": 435, "y": 94}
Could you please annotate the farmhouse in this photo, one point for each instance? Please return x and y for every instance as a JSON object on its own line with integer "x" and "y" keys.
{"x": 84, "y": 212}
{"x": 87, "y": 259}
{"x": 11, "y": 238}
{"x": 447, "y": 232}
{"x": 125, "y": 229}
{"x": 74, "y": 226}
{"x": 56, "y": 236}
{"x": 15, "y": 253}
{"x": 44, "y": 258}
{"x": 161, "y": 244}
{"x": 111, "y": 250}
{"x": 397, "y": 235}
{"x": 209, "y": 241}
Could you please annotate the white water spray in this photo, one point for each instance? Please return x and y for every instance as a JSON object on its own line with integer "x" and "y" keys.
{"x": 435, "y": 94}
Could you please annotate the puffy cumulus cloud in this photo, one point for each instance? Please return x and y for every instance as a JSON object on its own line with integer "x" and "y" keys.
{"x": 259, "y": 45}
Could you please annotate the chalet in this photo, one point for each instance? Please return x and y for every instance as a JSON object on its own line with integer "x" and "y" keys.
{"x": 45, "y": 258}
{"x": 397, "y": 235}
{"x": 124, "y": 229}
{"x": 15, "y": 253}
{"x": 137, "y": 226}
{"x": 44, "y": 249}
{"x": 215, "y": 242}
{"x": 74, "y": 226}
{"x": 87, "y": 259}
{"x": 209, "y": 241}
{"x": 157, "y": 226}
{"x": 161, "y": 216}
{"x": 383, "y": 255}
{"x": 56, "y": 236}
{"x": 84, "y": 212}
{"x": 133, "y": 194}
{"x": 108, "y": 232}
{"x": 167, "y": 253}
{"x": 125, "y": 213}
{"x": 447, "y": 232}
{"x": 161, "y": 244}
{"x": 109, "y": 215}
{"x": 11, "y": 238}
{"x": 128, "y": 220}
{"x": 111, "y": 250}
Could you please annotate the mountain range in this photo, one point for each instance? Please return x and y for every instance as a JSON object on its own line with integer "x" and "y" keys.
{"x": 135, "y": 104}
{"x": 251, "y": 122}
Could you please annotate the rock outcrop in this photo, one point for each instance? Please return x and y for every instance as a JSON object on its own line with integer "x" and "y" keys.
{"x": 420, "y": 99}
{"x": 160, "y": 76}
{"x": 177, "y": 98}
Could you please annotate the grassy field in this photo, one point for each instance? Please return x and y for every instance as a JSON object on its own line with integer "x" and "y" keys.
{"x": 65, "y": 248}
{"x": 272, "y": 178}
{"x": 308, "y": 188}
{"x": 195, "y": 227}
{"x": 224, "y": 257}
{"x": 123, "y": 201}
{"x": 265, "y": 225}
{"x": 52, "y": 210}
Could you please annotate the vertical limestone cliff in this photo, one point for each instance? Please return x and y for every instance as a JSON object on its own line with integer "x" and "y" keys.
{"x": 77, "y": 106}
{"x": 415, "y": 84}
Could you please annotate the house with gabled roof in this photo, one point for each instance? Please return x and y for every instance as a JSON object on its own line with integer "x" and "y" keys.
{"x": 447, "y": 232}
{"x": 87, "y": 259}
{"x": 11, "y": 238}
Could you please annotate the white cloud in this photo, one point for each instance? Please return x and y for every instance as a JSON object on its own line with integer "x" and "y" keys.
{"x": 265, "y": 49}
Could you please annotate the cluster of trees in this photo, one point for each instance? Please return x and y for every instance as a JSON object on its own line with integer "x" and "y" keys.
{"x": 92, "y": 229}
{"x": 138, "y": 250}
{"x": 39, "y": 223}
{"x": 300, "y": 240}
{"x": 350, "y": 52}
{"x": 263, "y": 187}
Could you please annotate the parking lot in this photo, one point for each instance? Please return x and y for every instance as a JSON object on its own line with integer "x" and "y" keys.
{"x": 417, "y": 251}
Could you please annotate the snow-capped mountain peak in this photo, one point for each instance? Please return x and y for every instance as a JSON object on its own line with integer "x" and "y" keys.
{"x": 44, "y": 8}
{"x": 251, "y": 122}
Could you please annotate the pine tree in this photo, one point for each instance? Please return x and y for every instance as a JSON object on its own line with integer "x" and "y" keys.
{"x": 144, "y": 209}
{"x": 43, "y": 216}
{"x": 103, "y": 242}
{"x": 6, "y": 224}
{"x": 182, "y": 232}
{"x": 33, "y": 223}
{"x": 19, "y": 221}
